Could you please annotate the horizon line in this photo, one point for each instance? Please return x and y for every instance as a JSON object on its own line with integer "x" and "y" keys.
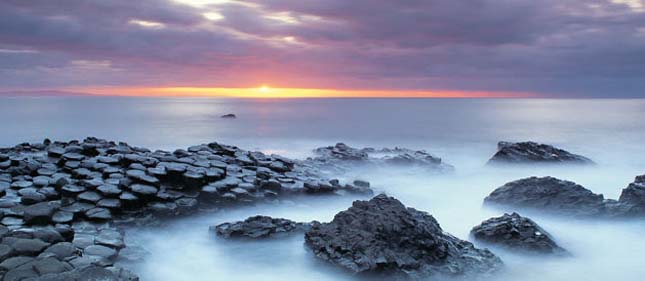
{"x": 262, "y": 92}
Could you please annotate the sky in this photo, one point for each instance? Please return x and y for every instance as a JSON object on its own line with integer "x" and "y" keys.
{"x": 488, "y": 48}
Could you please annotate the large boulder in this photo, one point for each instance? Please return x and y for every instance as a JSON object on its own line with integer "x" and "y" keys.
{"x": 532, "y": 152}
{"x": 547, "y": 194}
{"x": 260, "y": 227}
{"x": 381, "y": 236}
{"x": 517, "y": 233}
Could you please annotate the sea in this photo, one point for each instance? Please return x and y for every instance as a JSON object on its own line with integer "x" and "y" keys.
{"x": 463, "y": 132}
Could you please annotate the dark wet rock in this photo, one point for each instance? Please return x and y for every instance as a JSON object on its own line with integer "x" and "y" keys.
{"x": 142, "y": 177}
{"x": 110, "y": 238}
{"x": 20, "y": 274}
{"x": 62, "y": 250}
{"x": 5, "y": 251}
{"x": 14, "y": 262}
{"x": 143, "y": 190}
{"x": 72, "y": 190}
{"x": 40, "y": 213}
{"x": 24, "y": 246}
{"x": 109, "y": 203}
{"x": 516, "y": 232}
{"x": 101, "y": 214}
{"x": 631, "y": 203}
{"x": 229, "y": 116}
{"x": 50, "y": 266}
{"x": 548, "y": 194}
{"x": 382, "y": 236}
{"x": 259, "y": 227}
{"x": 85, "y": 273}
{"x": 89, "y": 196}
{"x": 531, "y": 152}
{"x": 109, "y": 190}
{"x": 100, "y": 251}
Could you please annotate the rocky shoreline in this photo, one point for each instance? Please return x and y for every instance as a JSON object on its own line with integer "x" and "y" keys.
{"x": 64, "y": 205}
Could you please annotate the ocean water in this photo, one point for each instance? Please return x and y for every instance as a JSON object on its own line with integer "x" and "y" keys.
{"x": 464, "y": 132}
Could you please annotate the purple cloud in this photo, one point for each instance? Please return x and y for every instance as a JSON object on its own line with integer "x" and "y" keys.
{"x": 556, "y": 48}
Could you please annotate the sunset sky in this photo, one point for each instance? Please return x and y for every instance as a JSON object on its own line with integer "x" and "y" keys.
{"x": 291, "y": 48}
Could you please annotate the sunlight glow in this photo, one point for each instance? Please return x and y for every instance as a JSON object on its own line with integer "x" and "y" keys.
{"x": 268, "y": 92}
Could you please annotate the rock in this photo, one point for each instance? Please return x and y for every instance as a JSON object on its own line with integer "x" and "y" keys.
{"x": 20, "y": 274}
{"x": 63, "y": 217}
{"x": 632, "y": 198}
{"x": 51, "y": 266}
{"x": 100, "y": 251}
{"x": 143, "y": 190}
{"x": 14, "y": 262}
{"x": 89, "y": 196}
{"x": 85, "y": 273}
{"x": 548, "y": 194}
{"x": 100, "y": 214}
{"x": 381, "y": 236}
{"x": 5, "y": 251}
{"x": 62, "y": 250}
{"x": 516, "y": 232}
{"x": 229, "y": 116}
{"x": 109, "y": 190}
{"x": 343, "y": 152}
{"x": 23, "y": 246}
{"x": 341, "y": 157}
{"x": 259, "y": 227}
{"x": 40, "y": 213}
{"x": 110, "y": 238}
{"x": 531, "y": 152}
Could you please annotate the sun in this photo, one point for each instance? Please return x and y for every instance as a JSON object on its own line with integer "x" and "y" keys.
{"x": 265, "y": 89}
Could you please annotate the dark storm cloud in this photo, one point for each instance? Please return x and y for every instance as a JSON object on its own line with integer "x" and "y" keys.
{"x": 552, "y": 47}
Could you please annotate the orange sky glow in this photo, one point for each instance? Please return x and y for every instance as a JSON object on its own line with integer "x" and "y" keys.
{"x": 269, "y": 92}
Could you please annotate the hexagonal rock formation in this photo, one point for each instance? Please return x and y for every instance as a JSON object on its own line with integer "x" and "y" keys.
{"x": 75, "y": 192}
{"x": 383, "y": 237}
{"x": 260, "y": 227}
{"x": 517, "y": 233}
{"x": 548, "y": 194}
{"x": 534, "y": 153}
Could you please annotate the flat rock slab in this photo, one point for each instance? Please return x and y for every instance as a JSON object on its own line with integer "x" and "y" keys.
{"x": 40, "y": 213}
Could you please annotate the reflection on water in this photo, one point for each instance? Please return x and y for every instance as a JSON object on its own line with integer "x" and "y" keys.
{"x": 462, "y": 132}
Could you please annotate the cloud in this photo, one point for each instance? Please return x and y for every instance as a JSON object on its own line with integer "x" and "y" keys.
{"x": 553, "y": 47}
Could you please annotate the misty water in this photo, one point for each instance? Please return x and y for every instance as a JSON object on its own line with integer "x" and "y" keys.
{"x": 462, "y": 132}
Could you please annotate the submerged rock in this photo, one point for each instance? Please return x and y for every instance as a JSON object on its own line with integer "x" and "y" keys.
{"x": 383, "y": 237}
{"x": 516, "y": 232}
{"x": 532, "y": 152}
{"x": 260, "y": 227}
{"x": 548, "y": 194}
